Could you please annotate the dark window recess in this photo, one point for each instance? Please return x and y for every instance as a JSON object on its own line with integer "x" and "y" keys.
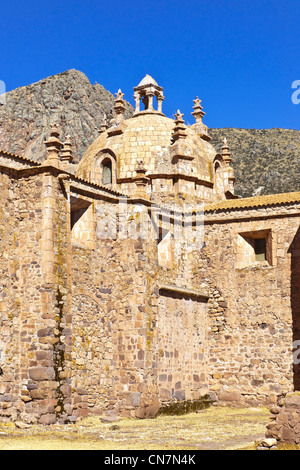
{"x": 76, "y": 214}
{"x": 78, "y": 208}
{"x": 107, "y": 172}
{"x": 260, "y": 249}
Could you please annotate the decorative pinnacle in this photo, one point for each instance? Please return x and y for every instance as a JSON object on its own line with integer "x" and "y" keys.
{"x": 197, "y": 103}
{"x": 66, "y": 153}
{"x": 103, "y": 125}
{"x": 180, "y": 128}
{"x": 198, "y": 113}
{"x": 119, "y": 107}
{"x": 53, "y": 145}
{"x": 225, "y": 144}
{"x": 54, "y": 130}
{"x": 140, "y": 168}
{"x": 178, "y": 116}
{"x": 119, "y": 95}
{"x": 225, "y": 151}
{"x": 141, "y": 180}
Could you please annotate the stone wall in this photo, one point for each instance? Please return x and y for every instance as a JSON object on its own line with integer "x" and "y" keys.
{"x": 10, "y": 335}
{"x": 251, "y": 361}
{"x": 182, "y": 337}
{"x": 249, "y": 323}
{"x": 110, "y": 361}
{"x": 129, "y": 340}
{"x": 284, "y": 423}
{"x": 94, "y": 323}
{"x": 35, "y": 295}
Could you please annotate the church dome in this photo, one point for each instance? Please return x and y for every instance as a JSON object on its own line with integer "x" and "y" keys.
{"x": 162, "y": 145}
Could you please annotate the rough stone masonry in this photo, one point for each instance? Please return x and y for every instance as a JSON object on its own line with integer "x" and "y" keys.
{"x": 137, "y": 278}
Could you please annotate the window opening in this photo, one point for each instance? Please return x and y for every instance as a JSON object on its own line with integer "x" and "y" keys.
{"x": 260, "y": 249}
{"x": 255, "y": 247}
{"x": 107, "y": 171}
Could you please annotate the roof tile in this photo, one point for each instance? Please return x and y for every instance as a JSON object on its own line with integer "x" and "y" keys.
{"x": 256, "y": 201}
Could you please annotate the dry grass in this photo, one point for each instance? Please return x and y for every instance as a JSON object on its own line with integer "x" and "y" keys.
{"x": 211, "y": 429}
{"x": 288, "y": 446}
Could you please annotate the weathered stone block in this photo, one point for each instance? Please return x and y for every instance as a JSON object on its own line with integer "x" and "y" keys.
{"x": 42, "y": 373}
{"x": 293, "y": 402}
{"x": 136, "y": 399}
{"x": 233, "y": 396}
{"x": 47, "y": 419}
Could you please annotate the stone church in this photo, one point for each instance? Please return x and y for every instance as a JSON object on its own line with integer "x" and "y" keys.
{"x": 136, "y": 279}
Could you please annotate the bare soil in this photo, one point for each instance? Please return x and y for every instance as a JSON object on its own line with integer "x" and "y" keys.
{"x": 216, "y": 428}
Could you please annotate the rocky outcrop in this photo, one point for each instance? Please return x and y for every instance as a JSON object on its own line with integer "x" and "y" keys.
{"x": 265, "y": 161}
{"x": 67, "y": 99}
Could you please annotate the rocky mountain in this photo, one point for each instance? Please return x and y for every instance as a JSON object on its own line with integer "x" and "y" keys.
{"x": 67, "y": 99}
{"x": 265, "y": 160}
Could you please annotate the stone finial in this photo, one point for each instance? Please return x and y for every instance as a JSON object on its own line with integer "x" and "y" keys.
{"x": 67, "y": 153}
{"x": 119, "y": 95}
{"x": 180, "y": 149}
{"x": 178, "y": 116}
{"x": 180, "y": 128}
{"x": 54, "y": 146}
{"x": 198, "y": 110}
{"x": 229, "y": 170}
{"x": 103, "y": 125}
{"x": 141, "y": 169}
{"x": 119, "y": 107}
{"x": 198, "y": 115}
{"x": 141, "y": 180}
{"x": 225, "y": 152}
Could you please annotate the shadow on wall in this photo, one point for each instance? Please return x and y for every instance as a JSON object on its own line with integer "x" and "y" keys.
{"x": 294, "y": 250}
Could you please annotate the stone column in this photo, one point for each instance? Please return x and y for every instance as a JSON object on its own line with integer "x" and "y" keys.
{"x": 160, "y": 99}
{"x": 48, "y": 348}
{"x": 150, "y": 101}
{"x": 137, "y": 100}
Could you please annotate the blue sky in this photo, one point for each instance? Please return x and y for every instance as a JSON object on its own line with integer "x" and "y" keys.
{"x": 240, "y": 57}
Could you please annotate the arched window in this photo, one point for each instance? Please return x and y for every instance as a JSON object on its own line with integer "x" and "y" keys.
{"x": 219, "y": 182}
{"x": 104, "y": 169}
{"x": 107, "y": 171}
{"x": 217, "y": 167}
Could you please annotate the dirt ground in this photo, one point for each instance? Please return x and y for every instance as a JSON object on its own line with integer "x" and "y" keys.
{"x": 216, "y": 428}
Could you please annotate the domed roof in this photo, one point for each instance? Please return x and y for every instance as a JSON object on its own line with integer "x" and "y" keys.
{"x": 147, "y": 138}
{"x": 151, "y": 137}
